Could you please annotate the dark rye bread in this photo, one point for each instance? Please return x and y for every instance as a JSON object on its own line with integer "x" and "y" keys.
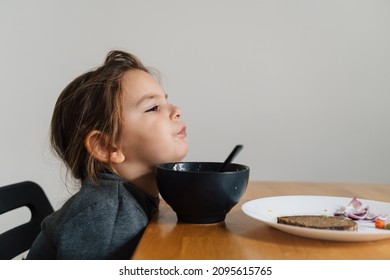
{"x": 319, "y": 222}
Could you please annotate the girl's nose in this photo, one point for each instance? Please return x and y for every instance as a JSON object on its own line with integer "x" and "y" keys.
{"x": 175, "y": 113}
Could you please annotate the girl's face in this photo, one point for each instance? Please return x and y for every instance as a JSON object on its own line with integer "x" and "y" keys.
{"x": 153, "y": 131}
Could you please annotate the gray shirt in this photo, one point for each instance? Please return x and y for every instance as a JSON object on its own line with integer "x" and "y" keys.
{"x": 103, "y": 221}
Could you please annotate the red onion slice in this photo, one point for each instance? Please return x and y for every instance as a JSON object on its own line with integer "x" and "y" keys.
{"x": 355, "y": 210}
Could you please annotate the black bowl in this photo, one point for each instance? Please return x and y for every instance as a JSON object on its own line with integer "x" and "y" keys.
{"x": 198, "y": 193}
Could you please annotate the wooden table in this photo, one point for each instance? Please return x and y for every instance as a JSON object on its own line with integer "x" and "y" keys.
{"x": 242, "y": 237}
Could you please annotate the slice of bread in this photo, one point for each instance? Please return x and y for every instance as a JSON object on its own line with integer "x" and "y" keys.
{"x": 319, "y": 222}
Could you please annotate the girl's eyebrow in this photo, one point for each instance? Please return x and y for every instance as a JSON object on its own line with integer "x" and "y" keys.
{"x": 150, "y": 96}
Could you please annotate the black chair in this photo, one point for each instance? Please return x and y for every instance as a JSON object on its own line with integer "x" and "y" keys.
{"x": 19, "y": 239}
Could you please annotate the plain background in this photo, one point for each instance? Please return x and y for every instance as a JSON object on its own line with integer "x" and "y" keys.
{"x": 303, "y": 85}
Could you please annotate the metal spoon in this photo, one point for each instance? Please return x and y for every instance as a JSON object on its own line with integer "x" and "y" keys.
{"x": 230, "y": 158}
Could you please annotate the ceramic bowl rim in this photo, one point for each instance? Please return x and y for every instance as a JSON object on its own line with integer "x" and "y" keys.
{"x": 161, "y": 166}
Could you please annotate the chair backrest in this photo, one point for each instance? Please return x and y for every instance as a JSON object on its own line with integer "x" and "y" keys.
{"x": 19, "y": 239}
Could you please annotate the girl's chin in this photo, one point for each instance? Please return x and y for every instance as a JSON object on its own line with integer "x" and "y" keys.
{"x": 179, "y": 154}
{"x": 178, "y": 158}
{"x": 182, "y": 154}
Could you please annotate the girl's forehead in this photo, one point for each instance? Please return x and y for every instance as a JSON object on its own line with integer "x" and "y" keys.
{"x": 138, "y": 85}
{"x": 138, "y": 78}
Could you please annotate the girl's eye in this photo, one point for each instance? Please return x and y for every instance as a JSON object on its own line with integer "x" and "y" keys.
{"x": 153, "y": 109}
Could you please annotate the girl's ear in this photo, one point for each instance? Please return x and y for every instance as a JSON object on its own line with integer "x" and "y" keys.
{"x": 96, "y": 143}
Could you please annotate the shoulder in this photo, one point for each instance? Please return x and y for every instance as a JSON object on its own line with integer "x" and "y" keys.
{"x": 108, "y": 201}
{"x": 99, "y": 220}
{"x": 107, "y": 196}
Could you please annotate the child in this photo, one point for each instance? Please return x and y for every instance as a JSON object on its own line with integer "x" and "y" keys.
{"x": 110, "y": 126}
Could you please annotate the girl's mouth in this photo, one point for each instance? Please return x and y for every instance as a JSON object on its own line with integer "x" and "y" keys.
{"x": 182, "y": 132}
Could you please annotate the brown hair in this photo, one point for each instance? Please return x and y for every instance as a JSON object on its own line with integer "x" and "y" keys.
{"x": 90, "y": 102}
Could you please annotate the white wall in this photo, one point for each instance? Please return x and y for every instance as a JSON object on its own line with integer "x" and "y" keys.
{"x": 304, "y": 85}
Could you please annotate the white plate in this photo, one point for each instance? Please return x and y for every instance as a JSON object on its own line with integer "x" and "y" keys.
{"x": 268, "y": 209}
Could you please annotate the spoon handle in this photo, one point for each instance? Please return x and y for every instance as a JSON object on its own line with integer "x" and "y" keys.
{"x": 230, "y": 158}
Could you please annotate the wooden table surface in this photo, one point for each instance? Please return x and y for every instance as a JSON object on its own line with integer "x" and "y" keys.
{"x": 242, "y": 237}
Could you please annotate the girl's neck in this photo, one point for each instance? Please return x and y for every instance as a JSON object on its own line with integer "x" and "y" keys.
{"x": 142, "y": 178}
